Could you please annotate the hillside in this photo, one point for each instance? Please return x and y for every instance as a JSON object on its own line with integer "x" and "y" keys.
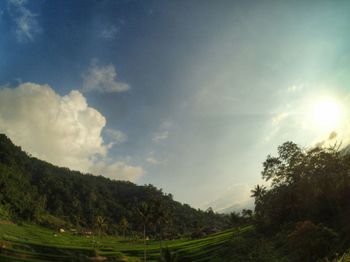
{"x": 36, "y": 191}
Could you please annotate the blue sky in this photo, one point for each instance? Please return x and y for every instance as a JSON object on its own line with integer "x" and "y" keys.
{"x": 190, "y": 96}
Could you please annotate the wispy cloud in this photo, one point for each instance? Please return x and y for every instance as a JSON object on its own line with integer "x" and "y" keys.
{"x": 110, "y": 32}
{"x": 103, "y": 79}
{"x": 27, "y": 26}
{"x": 115, "y": 136}
{"x": 163, "y": 131}
{"x": 159, "y": 136}
{"x": 279, "y": 117}
{"x": 295, "y": 88}
{"x": 153, "y": 161}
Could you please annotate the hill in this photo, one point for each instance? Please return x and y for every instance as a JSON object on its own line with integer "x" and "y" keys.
{"x": 39, "y": 192}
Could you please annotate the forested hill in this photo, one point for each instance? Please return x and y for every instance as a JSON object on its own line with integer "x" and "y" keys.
{"x": 36, "y": 191}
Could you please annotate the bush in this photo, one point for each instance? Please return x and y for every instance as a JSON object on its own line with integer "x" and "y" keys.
{"x": 51, "y": 221}
{"x": 248, "y": 246}
{"x": 310, "y": 242}
{"x": 4, "y": 213}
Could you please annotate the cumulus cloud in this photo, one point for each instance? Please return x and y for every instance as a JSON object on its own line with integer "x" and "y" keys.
{"x": 27, "y": 26}
{"x": 119, "y": 171}
{"x": 103, "y": 79}
{"x": 62, "y": 130}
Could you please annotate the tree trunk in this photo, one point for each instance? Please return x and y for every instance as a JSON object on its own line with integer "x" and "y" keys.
{"x": 144, "y": 241}
{"x": 161, "y": 237}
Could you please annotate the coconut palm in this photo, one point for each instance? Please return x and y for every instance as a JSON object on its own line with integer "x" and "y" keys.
{"x": 161, "y": 215}
{"x": 124, "y": 224}
{"x": 145, "y": 213}
{"x": 100, "y": 224}
{"x": 258, "y": 192}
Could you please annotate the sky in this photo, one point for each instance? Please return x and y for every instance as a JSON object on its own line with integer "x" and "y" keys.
{"x": 190, "y": 96}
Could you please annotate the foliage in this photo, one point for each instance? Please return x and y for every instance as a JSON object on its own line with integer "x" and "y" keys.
{"x": 307, "y": 201}
{"x": 248, "y": 245}
{"x": 34, "y": 190}
{"x": 309, "y": 241}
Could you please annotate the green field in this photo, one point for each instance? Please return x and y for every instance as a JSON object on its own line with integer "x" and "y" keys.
{"x": 33, "y": 243}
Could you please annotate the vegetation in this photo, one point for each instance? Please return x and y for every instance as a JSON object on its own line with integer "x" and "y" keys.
{"x": 33, "y": 243}
{"x": 301, "y": 214}
{"x": 58, "y": 197}
{"x": 306, "y": 207}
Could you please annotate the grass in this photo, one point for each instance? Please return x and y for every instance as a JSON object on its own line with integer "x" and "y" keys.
{"x": 33, "y": 243}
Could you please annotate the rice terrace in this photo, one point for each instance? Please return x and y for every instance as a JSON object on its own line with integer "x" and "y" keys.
{"x": 32, "y": 243}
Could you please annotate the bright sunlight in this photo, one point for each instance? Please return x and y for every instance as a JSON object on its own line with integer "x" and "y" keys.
{"x": 327, "y": 113}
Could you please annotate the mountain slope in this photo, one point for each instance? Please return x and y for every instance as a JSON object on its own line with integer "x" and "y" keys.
{"x": 34, "y": 190}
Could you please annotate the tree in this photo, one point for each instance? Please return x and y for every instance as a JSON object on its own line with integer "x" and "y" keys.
{"x": 161, "y": 215}
{"x": 247, "y": 213}
{"x": 100, "y": 224}
{"x": 124, "y": 224}
{"x": 258, "y": 192}
{"x": 234, "y": 219}
{"x": 145, "y": 214}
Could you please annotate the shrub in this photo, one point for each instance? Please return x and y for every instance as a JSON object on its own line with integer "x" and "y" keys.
{"x": 310, "y": 242}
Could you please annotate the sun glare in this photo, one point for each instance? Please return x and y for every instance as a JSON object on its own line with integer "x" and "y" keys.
{"x": 327, "y": 113}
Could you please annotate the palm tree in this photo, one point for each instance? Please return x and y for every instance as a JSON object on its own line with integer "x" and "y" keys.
{"x": 234, "y": 219}
{"x": 258, "y": 192}
{"x": 161, "y": 215}
{"x": 124, "y": 224}
{"x": 100, "y": 224}
{"x": 145, "y": 214}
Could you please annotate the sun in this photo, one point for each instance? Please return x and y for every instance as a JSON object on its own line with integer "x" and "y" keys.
{"x": 326, "y": 113}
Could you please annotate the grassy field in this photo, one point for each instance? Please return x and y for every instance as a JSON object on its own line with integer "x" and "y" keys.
{"x": 32, "y": 243}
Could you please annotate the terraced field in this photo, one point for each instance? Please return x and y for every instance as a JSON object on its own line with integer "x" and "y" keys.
{"x": 32, "y": 243}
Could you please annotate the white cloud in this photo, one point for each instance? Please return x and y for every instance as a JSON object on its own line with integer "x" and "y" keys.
{"x": 163, "y": 131}
{"x": 279, "y": 118}
{"x": 118, "y": 170}
{"x": 152, "y": 160}
{"x": 115, "y": 136}
{"x": 295, "y": 88}
{"x": 109, "y": 32}
{"x": 27, "y": 26}
{"x": 62, "y": 130}
{"x": 159, "y": 136}
{"x": 102, "y": 79}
